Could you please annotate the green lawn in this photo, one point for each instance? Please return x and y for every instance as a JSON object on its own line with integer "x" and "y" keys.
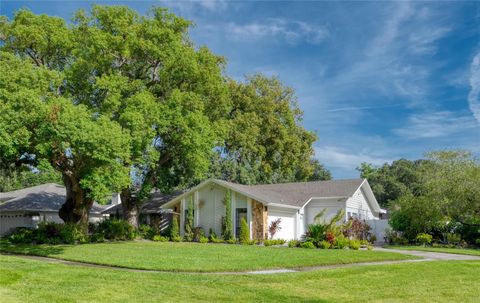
{"x": 460, "y": 251}
{"x": 200, "y": 257}
{"x": 35, "y": 281}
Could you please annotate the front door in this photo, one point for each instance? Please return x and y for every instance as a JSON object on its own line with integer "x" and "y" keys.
{"x": 240, "y": 213}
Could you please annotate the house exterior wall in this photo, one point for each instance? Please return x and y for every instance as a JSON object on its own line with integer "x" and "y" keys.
{"x": 287, "y": 224}
{"x": 315, "y": 206}
{"x": 379, "y": 229}
{"x": 11, "y": 220}
{"x": 357, "y": 206}
{"x": 211, "y": 208}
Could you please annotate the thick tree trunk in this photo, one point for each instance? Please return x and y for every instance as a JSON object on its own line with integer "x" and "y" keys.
{"x": 76, "y": 207}
{"x": 129, "y": 208}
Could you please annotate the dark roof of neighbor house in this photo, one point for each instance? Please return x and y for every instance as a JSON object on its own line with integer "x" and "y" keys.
{"x": 298, "y": 193}
{"x": 152, "y": 205}
{"x": 46, "y": 197}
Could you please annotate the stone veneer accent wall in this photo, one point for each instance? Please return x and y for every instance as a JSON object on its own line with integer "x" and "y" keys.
{"x": 259, "y": 218}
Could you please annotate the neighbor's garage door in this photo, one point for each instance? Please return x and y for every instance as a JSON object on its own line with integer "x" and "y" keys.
{"x": 287, "y": 223}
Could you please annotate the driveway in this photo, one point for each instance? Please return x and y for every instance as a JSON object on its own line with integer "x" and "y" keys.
{"x": 428, "y": 255}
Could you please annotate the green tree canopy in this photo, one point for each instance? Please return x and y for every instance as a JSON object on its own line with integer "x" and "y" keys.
{"x": 265, "y": 142}
{"x": 447, "y": 198}
{"x": 37, "y": 123}
{"x": 116, "y": 101}
{"x": 392, "y": 181}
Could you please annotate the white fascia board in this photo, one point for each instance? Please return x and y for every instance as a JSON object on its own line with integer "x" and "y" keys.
{"x": 324, "y": 198}
{"x": 283, "y": 206}
{"x": 370, "y": 196}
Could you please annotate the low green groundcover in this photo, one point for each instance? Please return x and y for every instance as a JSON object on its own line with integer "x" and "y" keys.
{"x": 199, "y": 257}
{"x": 36, "y": 281}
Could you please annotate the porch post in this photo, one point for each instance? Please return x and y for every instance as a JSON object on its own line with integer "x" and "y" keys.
{"x": 182, "y": 217}
{"x": 233, "y": 208}
{"x": 249, "y": 216}
{"x": 197, "y": 209}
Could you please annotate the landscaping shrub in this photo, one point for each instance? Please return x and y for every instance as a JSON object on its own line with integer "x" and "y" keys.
{"x": 293, "y": 243}
{"x": 354, "y": 244}
{"x": 274, "y": 227}
{"x": 71, "y": 234}
{"x": 20, "y": 235}
{"x": 49, "y": 233}
{"x": 115, "y": 230}
{"x": 453, "y": 238}
{"x": 364, "y": 242}
{"x": 228, "y": 226}
{"x": 340, "y": 242}
{"x": 369, "y": 247}
{"x": 159, "y": 238}
{"x": 174, "y": 229}
{"x": 198, "y": 233}
{"x": 356, "y": 228}
{"x": 176, "y": 239}
{"x": 203, "y": 239}
{"x": 322, "y": 230}
{"x": 271, "y": 242}
{"x": 393, "y": 237}
{"x": 330, "y": 237}
{"x": 189, "y": 230}
{"x": 307, "y": 244}
{"x": 146, "y": 231}
{"x": 315, "y": 233}
{"x": 423, "y": 239}
{"x": 97, "y": 238}
{"x": 231, "y": 241}
{"x": 244, "y": 231}
{"x": 324, "y": 244}
{"x": 212, "y": 236}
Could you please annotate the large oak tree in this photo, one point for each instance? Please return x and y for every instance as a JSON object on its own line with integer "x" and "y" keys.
{"x": 116, "y": 101}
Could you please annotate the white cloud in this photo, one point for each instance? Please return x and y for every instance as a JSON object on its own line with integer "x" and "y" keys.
{"x": 395, "y": 62}
{"x": 422, "y": 41}
{"x": 347, "y": 160}
{"x": 474, "y": 95}
{"x": 291, "y": 31}
{"x": 435, "y": 125}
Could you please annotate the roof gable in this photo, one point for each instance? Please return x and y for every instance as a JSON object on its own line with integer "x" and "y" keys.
{"x": 45, "y": 197}
{"x": 293, "y": 195}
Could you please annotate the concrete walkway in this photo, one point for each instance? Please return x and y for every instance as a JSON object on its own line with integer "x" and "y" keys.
{"x": 424, "y": 257}
{"x": 430, "y": 256}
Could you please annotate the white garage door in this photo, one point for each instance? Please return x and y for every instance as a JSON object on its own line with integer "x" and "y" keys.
{"x": 287, "y": 224}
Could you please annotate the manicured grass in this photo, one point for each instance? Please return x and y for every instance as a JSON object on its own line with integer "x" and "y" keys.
{"x": 200, "y": 257}
{"x": 35, "y": 281}
{"x": 460, "y": 251}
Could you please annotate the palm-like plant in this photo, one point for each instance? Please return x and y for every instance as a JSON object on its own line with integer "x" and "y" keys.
{"x": 317, "y": 232}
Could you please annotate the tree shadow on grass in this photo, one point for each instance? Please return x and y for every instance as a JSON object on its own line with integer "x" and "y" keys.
{"x": 32, "y": 249}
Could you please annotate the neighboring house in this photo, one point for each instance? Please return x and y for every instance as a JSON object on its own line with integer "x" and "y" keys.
{"x": 150, "y": 212}
{"x": 296, "y": 204}
{"x": 29, "y": 206}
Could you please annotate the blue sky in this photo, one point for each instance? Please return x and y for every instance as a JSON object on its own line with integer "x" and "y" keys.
{"x": 377, "y": 81}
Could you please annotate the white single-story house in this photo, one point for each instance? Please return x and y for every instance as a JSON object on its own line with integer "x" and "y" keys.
{"x": 296, "y": 204}
{"x": 28, "y": 207}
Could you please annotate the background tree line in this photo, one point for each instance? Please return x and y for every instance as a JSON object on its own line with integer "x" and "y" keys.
{"x": 438, "y": 195}
{"x": 118, "y": 102}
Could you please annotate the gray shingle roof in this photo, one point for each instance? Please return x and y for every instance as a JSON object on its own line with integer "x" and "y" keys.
{"x": 45, "y": 197}
{"x": 298, "y": 193}
{"x": 156, "y": 200}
